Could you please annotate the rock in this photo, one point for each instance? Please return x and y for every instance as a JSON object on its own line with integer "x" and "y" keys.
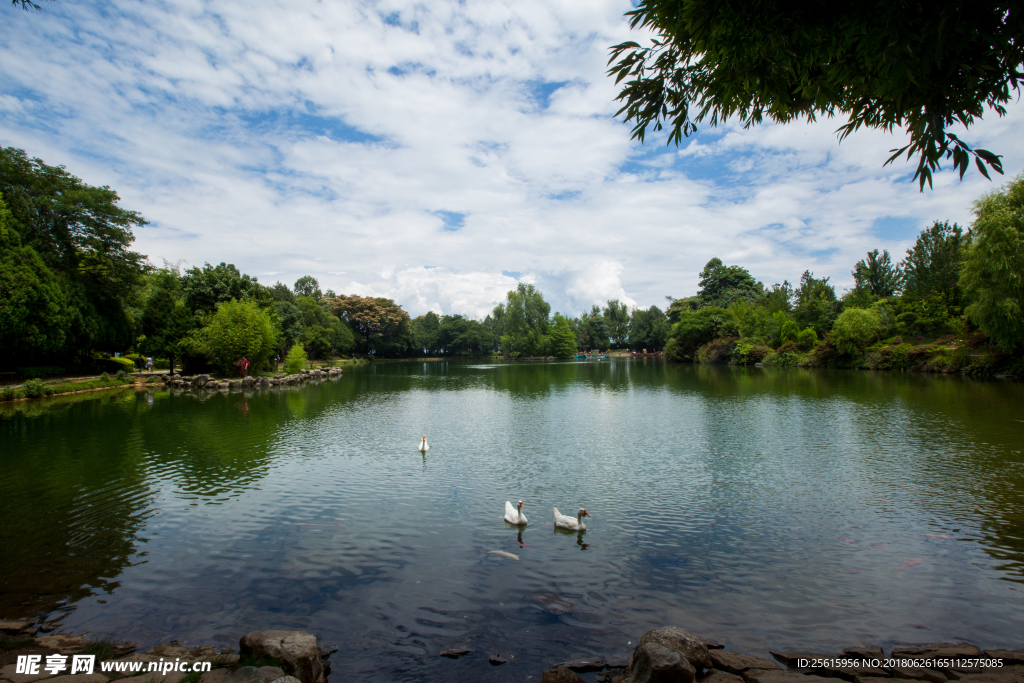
{"x": 792, "y": 658}
{"x": 667, "y": 655}
{"x": 712, "y": 644}
{"x": 560, "y": 675}
{"x": 296, "y": 650}
{"x": 455, "y": 652}
{"x": 62, "y": 643}
{"x": 738, "y": 662}
{"x": 286, "y": 679}
{"x": 215, "y": 676}
{"x": 274, "y": 381}
{"x": 496, "y": 660}
{"x": 14, "y": 628}
{"x": 175, "y": 649}
{"x": 780, "y": 676}
{"x": 235, "y": 384}
{"x": 156, "y": 677}
{"x": 939, "y": 651}
{"x": 264, "y": 381}
{"x": 1005, "y": 674}
{"x": 250, "y": 674}
{"x": 1008, "y": 656}
{"x": 248, "y": 381}
{"x": 7, "y": 673}
{"x": 79, "y": 678}
{"x": 918, "y": 674}
{"x": 581, "y": 665}
{"x": 871, "y": 679}
{"x": 849, "y": 673}
{"x": 870, "y": 652}
{"x": 716, "y": 676}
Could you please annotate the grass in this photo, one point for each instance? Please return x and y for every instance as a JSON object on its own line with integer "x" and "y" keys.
{"x": 103, "y": 649}
{"x": 192, "y": 677}
{"x": 53, "y": 388}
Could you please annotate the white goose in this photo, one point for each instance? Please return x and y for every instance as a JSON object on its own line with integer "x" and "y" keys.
{"x": 423, "y": 447}
{"x": 570, "y": 523}
{"x": 513, "y": 515}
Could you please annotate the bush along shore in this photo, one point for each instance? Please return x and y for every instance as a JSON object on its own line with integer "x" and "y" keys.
{"x": 665, "y": 655}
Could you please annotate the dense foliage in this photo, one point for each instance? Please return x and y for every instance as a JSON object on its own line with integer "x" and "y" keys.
{"x": 889, "y": 64}
{"x": 959, "y": 290}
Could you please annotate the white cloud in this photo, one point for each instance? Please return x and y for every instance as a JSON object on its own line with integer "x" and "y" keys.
{"x": 329, "y": 139}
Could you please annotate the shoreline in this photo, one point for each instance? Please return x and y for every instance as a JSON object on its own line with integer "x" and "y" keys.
{"x": 666, "y": 654}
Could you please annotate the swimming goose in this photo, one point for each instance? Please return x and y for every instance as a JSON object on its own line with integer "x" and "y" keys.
{"x": 514, "y": 516}
{"x": 423, "y": 447}
{"x": 567, "y": 522}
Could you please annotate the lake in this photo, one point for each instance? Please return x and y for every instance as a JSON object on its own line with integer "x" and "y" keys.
{"x": 790, "y": 509}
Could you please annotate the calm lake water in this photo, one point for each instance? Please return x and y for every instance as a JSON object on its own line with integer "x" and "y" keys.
{"x": 791, "y": 509}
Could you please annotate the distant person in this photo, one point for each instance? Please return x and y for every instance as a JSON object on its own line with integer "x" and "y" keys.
{"x": 149, "y": 364}
{"x": 244, "y": 366}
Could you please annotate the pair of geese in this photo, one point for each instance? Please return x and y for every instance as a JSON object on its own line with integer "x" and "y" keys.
{"x": 515, "y": 516}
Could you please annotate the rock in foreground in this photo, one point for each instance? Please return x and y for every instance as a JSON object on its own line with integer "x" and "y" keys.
{"x": 667, "y": 655}
{"x": 296, "y": 650}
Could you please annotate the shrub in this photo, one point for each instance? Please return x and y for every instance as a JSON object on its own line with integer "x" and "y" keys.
{"x": 296, "y": 359}
{"x": 747, "y": 352}
{"x": 717, "y": 352}
{"x": 32, "y": 388}
{"x": 8, "y": 393}
{"x": 807, "y": 339}
{"x": 853, "y": 329}
{"x": 122, "y": 375}
{"x": 785, "y": 359}
{"x": 105, "y": 377}
{"x": 788, "y": 347}
{"x": 47, "y": 390}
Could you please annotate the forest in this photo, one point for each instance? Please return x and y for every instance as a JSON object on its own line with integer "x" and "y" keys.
{"x": 73, "y": 294}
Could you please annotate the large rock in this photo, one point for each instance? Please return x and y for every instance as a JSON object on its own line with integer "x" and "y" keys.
{"x": 738, "y": 662}
{"x": 716, "y": 676}
{"x": 296, "y": 650}
{"x": 1008, "y": 656}
{"x": 851, "y": 673}
{"x": 250, "y": 674}
{"x": 1005, "y": 674}
{"x": 780, "y": 676}
{"x": 560, "y": 675}
{"x": 249, "y": 381}
{"x": 940, "y": 651}
{"x": 918, "y": 674}
{"x": 667, "y": 655}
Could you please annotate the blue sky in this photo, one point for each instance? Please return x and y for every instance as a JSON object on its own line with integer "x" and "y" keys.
{"x": 438, "y": 153}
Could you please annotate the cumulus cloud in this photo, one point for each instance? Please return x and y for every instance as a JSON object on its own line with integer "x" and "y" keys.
{"x": 425, "y": 151}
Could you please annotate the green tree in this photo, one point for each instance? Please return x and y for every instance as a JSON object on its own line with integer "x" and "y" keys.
{"x": 720, "y": 285}
{"x": 289, "y": 318}
{"x": 597, "y": 330}
{"x": 816, "y": 303}
{"x": 296, "y": 359}
{"x": 205, "y": 288}
{"x": 524, "y": 321}
{"x": 563, "y": 341}
{"x": 280, "y": 292}
{"x": 237, "y": 329}
{"x": 853, "y": 329}
{"x": 877, "y": 276}
{"x": 779, "y": 297}
{"x": 697, "y": 328}
{"x": 308, "y": 286}
{"x": 83, "y": 238}
{"x": 426, "y": 331}
{"x": 381, "y": 326}
{"x": 166, "y": 322}
{"x": 648, "y": 329}
{"x": 616, "y": 316}
{"x": 993, "y": 269}
{"x": 885, "y": 65}
{"x": 933, "y": 265}
{"x": 677, "y": 307}
{"x": 460, "y": 336}
{"x": 34, "y": 315}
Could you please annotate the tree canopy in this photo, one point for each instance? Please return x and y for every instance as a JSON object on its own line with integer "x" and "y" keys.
{"x": 993, "y": 270}
{"x": 887, "y": 64}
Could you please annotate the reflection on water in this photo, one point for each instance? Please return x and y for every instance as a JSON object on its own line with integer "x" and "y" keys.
{"x": 788, "y": 508}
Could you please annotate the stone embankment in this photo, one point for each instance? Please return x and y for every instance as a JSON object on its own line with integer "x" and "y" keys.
{"x": 665, "y": 655}
{"x": 279, "y": 657}
{"x": 207, "y": 382}
{"x": 673, "y": 655}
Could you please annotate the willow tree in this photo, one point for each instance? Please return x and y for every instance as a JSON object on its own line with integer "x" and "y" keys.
{"x": 887, "y": 64}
